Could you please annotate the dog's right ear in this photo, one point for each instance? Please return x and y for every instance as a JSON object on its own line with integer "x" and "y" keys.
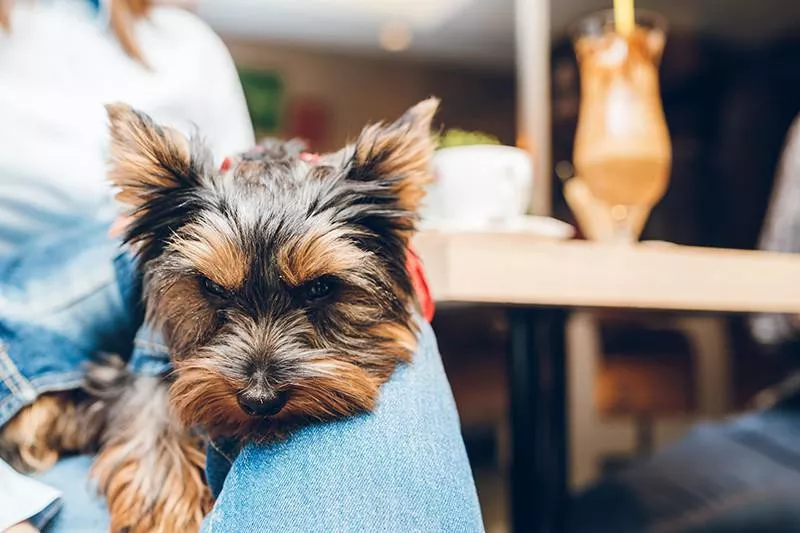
{"x": 158, "y": 173}
{"x": 147, "y": 160}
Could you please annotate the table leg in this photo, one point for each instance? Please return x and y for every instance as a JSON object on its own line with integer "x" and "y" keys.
{"x": 537, "y": 384}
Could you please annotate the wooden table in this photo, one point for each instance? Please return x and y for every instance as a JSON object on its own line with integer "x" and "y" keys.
{"x": 541, "y": 281}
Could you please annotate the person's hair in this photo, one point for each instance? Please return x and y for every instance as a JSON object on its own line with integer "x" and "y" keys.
{"x": 123, "y": 13}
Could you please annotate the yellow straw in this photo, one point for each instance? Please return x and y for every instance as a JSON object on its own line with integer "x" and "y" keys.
{"x": 623, "y": 17}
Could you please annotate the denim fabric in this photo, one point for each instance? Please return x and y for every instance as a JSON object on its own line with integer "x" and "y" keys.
{"x": 80, "y": 509}
{"x": 401, "y": 468}
{"x": 59, "y": 305}
{"x": 740, "y": 476}
{"x": 65, "y": 299}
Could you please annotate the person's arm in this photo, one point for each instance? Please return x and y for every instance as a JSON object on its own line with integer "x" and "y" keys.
{"x": 203, "y": 93}
{"x": 781, "y": 233}
{"x": 219, "y": 109}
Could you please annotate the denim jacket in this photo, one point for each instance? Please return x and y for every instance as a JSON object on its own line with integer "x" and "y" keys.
{"x": 64, "y": 300}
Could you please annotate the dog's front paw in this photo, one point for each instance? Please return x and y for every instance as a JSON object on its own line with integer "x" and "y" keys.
{"x": 155, "y": 487}
{"x": 55, "y": 423}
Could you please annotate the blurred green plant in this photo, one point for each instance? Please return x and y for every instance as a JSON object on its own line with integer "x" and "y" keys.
{"x": 264, "y": 93}
{"x": 456, "y": 137}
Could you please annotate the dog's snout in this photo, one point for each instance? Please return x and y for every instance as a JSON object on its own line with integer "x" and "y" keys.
{"x": 262, "y": 404}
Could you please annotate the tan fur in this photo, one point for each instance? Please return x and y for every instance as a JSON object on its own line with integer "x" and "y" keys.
{"x": 126, "y": 477}
{"x": 142, "y": 155}
{"x": 327, "y": 361}
{"x": 342, "y": 389}
{"x": 406, "y": 148}
{"x": 214, "y": 253}
{"x": 200, "y": 395}
{"x": 338, "y": 389}
{"x": 323, "y": 250}
{"x": 150, "y": 469}
{"x": 182, "y": 313}
{"x": 40, "y": 432}
{"x": 399, "y": 340}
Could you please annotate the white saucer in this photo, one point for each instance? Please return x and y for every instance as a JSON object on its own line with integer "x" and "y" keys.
{"x": 545, "y": 227}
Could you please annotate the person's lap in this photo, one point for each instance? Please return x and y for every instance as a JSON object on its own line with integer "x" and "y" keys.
{"x": 403, "y": 468}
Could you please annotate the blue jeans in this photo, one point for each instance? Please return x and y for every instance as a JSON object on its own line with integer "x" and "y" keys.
{"x": 401, "y": 468}
{"x": 739, "y": 476}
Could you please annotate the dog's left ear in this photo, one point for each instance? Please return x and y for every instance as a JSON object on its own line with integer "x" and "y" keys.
{"x": 147, "y": 160}
{"x": 397, "y": 156}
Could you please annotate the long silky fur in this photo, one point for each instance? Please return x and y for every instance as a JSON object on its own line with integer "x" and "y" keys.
{"x": 149, "y": 467}
{"x": 262, "y": 233}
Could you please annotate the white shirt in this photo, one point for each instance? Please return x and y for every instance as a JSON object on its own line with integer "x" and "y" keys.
{"x": 58, "y": 67}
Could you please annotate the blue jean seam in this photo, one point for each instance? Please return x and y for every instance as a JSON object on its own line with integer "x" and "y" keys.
{"x": 45, "y": 516}
{"x": 52, "y": 382}
{"x": 12, "y": 387}
{"x": 12, "y": 377}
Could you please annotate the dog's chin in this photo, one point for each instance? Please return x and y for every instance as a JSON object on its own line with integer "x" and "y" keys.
{"x": 329, "y": 389}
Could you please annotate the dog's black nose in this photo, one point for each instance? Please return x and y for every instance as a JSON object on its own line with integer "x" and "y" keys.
{"x": 262, "y": 404}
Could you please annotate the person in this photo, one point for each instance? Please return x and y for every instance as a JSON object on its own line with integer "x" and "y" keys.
{"x": 67, "y": 289}
{"x": 61, "y": 61}
{"x": 739, "y": 475}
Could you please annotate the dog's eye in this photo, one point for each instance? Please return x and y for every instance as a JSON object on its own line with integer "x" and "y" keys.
{"x": 319, "y": 288}
{"x": 214, "y": 288}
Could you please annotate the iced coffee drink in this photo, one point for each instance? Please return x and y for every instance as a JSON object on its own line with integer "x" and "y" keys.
{"x": 622, "y": 146}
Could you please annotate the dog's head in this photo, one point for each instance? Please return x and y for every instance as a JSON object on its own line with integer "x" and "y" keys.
{"x": 279, "y": 283}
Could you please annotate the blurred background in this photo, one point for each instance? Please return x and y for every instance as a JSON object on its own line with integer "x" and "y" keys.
{"x": 730, "y": 85}
{"x": 322, "y": 68}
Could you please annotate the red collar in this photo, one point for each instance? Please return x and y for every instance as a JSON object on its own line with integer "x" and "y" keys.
{"x": 416, "y": 272}
{"x": 414, "y": 266}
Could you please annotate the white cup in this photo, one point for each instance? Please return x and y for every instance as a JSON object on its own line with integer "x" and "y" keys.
{"x": 476, "y": 186}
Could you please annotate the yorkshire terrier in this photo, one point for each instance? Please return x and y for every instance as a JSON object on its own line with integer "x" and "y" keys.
{"x": 280, "y": 287}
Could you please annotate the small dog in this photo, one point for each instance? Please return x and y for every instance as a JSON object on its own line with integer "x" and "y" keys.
{"x": 280, "y": 287}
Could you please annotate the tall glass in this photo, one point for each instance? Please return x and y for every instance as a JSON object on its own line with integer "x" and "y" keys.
{"x": 622, "y": 146}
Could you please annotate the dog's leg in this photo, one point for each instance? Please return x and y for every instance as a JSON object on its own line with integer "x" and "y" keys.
{"x": 149, "y": 468}
{"x": 58, "y": 422}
